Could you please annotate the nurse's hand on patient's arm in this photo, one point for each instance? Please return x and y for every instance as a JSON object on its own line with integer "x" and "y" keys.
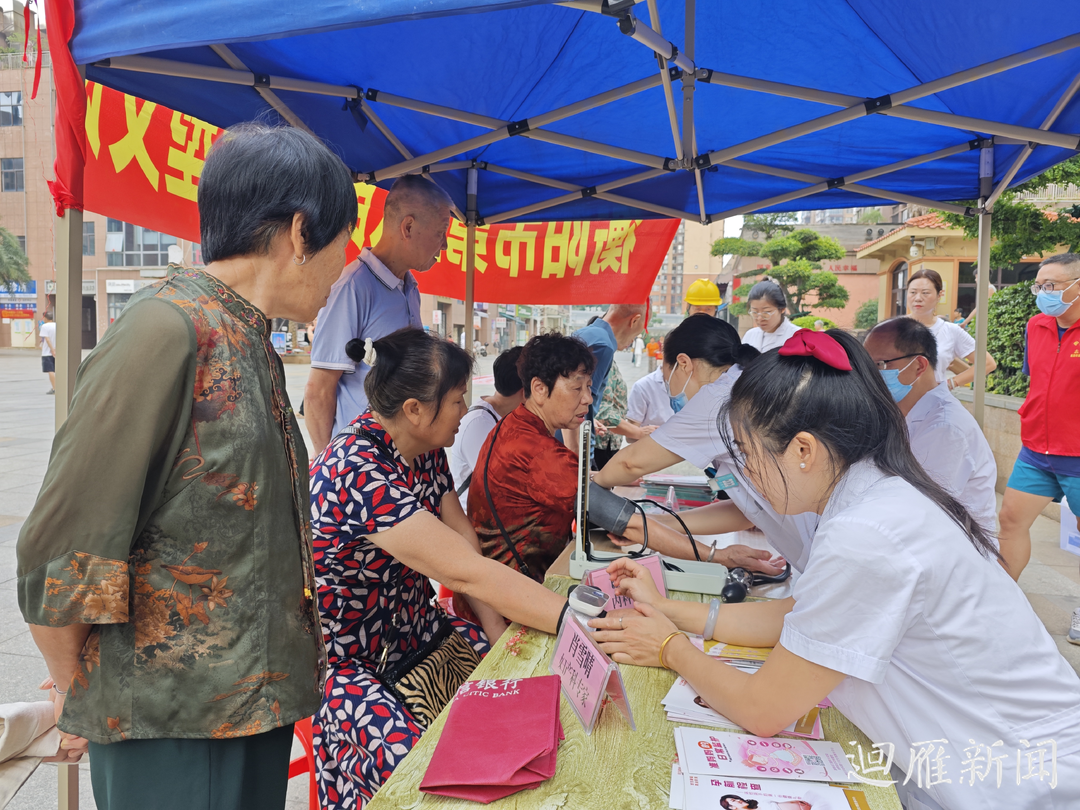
{"x": 752, "y": 559}
{"x": 635, "y": 639}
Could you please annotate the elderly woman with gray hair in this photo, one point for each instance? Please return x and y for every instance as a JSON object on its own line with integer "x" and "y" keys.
{"x": 166, "y": 569}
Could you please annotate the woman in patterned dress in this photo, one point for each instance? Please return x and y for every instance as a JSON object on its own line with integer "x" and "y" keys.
{"x": 611, "y": 420}
{"x": 385, "y": 519}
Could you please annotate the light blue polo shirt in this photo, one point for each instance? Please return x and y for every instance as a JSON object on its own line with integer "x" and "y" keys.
{"x": 368, "y": 301}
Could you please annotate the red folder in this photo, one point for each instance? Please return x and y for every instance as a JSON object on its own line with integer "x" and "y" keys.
{"x": 500, "y": 737}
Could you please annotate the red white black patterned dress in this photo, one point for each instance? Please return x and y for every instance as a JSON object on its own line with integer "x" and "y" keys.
{"x": 361, "y": 731}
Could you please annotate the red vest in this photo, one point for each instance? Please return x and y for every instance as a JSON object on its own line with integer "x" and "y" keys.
{"x": 1050, "y": 416}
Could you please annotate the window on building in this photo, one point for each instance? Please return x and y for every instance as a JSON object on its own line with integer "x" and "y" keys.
{"x": 128, "y": 245}
{"x": 899, "y": 289}
{"x": 11, "y": 109}
{"x": 22, "y": 243}
{"x": 89, "y": 245}
{"x": 11, "y": 174}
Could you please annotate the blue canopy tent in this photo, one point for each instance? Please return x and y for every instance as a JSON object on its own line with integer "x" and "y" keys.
{"x": 602, "y": 109}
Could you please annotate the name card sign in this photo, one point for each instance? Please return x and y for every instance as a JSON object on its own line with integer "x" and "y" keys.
{"x": 587, "y": 675}
{"x": 599, "y": 579}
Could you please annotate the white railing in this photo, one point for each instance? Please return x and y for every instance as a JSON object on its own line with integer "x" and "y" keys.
{"x": 1053, "y": 193}
{"x": 13, "y": 61}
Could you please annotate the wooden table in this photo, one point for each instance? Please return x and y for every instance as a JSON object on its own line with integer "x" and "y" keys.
{"x": 615, "y": 767}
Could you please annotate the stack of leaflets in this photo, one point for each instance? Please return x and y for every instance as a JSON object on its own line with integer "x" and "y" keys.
{"x": 691, "y": 490}
{"x": 748, "y": 659}
{"x": 760, "y": 772}
{"x": 684, "y": 705}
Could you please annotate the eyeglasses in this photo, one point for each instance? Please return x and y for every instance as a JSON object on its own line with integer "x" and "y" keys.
{"x": 883, "y": 364}
{"x": 763, "y": 313}
{"x": 1049, "y": 286}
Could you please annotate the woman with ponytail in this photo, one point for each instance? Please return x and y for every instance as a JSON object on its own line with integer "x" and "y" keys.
{"x": 703, "y": 357}
{"x": 903, "y": 615}
{"x": 386, "y": 517}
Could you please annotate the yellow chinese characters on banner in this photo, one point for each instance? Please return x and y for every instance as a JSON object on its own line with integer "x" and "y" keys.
{"x": 144, "y": 161}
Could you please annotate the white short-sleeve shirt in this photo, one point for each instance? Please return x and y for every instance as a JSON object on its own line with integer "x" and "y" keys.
{"x": 692, "y": 434}
{"x": 937, "y": 641}
{"x": 952, "y": 343}
{"x": 947, "y": 441}
{"x": 47, "y": 330}
{"x": 472, "y": 433}
{"x": 648, "y": 402}
{"x": 764, "y": 341}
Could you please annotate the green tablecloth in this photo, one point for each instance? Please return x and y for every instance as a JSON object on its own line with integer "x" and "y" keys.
{"x": 615, "y": 767}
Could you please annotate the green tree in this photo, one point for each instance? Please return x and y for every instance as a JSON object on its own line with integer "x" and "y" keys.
{"x": 866, "y": 316}
{"x": 768, "y": 225}
{"x": 13, "y": 261}
{"x": 795, "y": 259}
{"x": 1009, "y": 310}
{"x": 1020, "y": 228}
{"x": 871, "y": 216}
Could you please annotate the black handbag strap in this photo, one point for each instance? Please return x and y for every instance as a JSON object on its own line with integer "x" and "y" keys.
{"x": 494, "y": 512}
{"x": 464, "y": 485}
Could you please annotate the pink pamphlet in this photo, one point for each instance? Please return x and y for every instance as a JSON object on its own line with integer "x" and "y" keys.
{"x": 587, "y": 675}
{"x": 599, "y": 579}
{"x": 718, "y": 753}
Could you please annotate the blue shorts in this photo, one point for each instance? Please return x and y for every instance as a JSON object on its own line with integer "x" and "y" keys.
{"x": 1030, "y": 479}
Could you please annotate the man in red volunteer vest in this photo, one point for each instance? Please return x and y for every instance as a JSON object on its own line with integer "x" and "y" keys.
{"x": 1048, "y": 467}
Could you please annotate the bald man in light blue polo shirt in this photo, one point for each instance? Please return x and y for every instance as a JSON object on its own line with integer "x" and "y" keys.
{"x": 376, "y": 295}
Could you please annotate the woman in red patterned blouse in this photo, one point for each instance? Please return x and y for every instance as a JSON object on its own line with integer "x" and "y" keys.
{"x": 533, "y": 476}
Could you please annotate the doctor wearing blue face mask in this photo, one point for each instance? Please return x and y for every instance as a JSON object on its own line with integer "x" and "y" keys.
{"x": 945, "y": 439}
{"x": 702, "y": 358}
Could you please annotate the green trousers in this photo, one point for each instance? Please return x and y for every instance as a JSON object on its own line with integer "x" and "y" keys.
{"x": 244, "y": 773}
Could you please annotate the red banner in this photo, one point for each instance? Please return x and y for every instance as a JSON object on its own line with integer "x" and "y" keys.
{"x": 143, "y": 163}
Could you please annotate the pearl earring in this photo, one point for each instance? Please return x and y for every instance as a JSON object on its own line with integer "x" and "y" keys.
{"x": 803, "y": 465}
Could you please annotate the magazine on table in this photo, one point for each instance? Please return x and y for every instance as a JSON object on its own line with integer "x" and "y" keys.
{"x": 689, "y": 792}
{"x": 720, "y": 753}
{"x": 683, "y": 704}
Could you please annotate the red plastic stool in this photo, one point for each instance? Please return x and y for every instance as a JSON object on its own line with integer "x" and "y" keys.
{"x": 306, "y": 763}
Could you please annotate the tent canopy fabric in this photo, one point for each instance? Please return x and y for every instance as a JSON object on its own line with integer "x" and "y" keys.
{"x": 701, "y": 137}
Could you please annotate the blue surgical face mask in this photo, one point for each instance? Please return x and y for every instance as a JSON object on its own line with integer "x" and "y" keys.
{"x": 892, "y": 380}
{"x": 678, "y": 402}
{"x": 1050, "y": 303}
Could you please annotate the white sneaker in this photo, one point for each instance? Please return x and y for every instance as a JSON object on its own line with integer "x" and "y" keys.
{"x": 1074, "y": 631}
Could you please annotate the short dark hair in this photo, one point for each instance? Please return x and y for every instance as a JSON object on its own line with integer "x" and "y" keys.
{"x": 910, "y": 337}
{"x": 257, "y": 177}
{"x": 851, "y": 413}
{"x": 548, "y": 357}
{"x": 507, "y": 381}
{"x": 413, "y": 195}
{"x": 704, "y": 337}
{"x": 933, "y": 276}
{"x": 411, "y": 364}
{"x": 1070, "y": 261}
{"x": 768, "y": 291}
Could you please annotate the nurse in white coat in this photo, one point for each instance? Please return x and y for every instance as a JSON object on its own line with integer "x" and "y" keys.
{"x": 903, "y": 616}
{"x": 768, "y": 308}
{"x": 701, "y": 363}
{"x": 953, "y": 343}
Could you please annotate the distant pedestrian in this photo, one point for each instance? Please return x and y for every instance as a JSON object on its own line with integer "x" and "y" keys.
{"x": 47, "y": 337}
{"x": 639, "y": 347}
{"x": 651, "y": 348}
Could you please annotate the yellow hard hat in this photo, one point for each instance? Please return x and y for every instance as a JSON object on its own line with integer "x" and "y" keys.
{"x": 703, "y": 293}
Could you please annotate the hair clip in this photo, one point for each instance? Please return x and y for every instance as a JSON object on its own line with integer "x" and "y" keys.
{"x": 819, "y": 345}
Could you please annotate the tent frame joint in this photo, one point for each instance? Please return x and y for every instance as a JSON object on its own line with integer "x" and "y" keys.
{"x": 518, "y": 127}
{"x": 879, "y": 104}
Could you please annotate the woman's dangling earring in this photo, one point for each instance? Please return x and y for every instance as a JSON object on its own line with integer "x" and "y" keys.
{"x": 302, "y": 260}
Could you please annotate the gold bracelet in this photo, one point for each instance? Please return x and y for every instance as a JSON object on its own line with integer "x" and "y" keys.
{"x": 665, "y": 643}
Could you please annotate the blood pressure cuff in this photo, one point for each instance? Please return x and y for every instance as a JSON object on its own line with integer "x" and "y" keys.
{"x": 609, "y": 511}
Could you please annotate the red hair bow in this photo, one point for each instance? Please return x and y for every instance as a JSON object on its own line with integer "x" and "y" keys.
{"x": 807, "y": 343}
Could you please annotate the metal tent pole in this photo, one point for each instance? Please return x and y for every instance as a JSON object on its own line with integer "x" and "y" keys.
{"x": 470, "y": 267}
{"x": 982, "y": 298}
{"x": 68, "y": 308}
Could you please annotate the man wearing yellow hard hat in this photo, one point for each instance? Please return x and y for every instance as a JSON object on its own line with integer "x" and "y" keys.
{"x": 703, "y": 296}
